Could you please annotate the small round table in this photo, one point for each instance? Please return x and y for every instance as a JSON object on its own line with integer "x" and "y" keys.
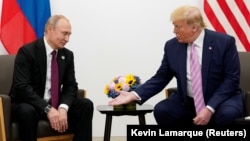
{"x": 139, "y": 110}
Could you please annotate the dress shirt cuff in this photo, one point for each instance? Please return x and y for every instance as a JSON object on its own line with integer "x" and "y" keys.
{"x": 210, "y": 108}
{"x": 138, "y": 97}
{"x": 66, "y": 107}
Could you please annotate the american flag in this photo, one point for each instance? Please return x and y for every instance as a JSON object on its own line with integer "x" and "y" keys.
{"x": 232, "y": 17}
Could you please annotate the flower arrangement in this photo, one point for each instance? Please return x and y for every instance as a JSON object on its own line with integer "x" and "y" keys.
{"x": 127, "y": 83}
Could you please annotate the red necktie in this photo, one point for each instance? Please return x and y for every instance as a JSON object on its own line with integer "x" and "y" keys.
{"x": 54, "y": 80}
{"x": 196, "y": 80}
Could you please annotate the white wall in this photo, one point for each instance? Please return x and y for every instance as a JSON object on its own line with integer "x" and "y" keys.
{"x": 116, "y": 37}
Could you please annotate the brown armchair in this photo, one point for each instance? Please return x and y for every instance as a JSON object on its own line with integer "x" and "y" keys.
{"x": 8, "y": 129}
{"x": 245, "y": 79}
{"x": 244, "y": 82}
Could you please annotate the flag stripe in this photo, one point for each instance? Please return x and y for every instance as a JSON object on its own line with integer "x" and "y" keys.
{"x": 244, "y": 10}
{"x": 234, "y": 23}
{"x": 37, "y": 12}
{"x": 213, "y": 18}
{"x": 12, "y": 35}
{"x": 232, "y": 17}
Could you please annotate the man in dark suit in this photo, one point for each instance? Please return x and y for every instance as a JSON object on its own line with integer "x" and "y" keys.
{"x": 31, "y": 89}
{"x": 219, "y": 67}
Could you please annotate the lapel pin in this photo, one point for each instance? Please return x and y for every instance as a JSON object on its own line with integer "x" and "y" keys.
{"x": 210, "y": 48}
{"x": 63, "y": 57}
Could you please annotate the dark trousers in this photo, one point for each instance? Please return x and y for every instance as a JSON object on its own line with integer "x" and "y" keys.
{"x": 177, "y": 111}
{"x": 80, "y": 117}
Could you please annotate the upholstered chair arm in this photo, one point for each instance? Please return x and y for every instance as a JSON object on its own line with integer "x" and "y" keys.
{"x": 5, "y": 114}
{"x": 81, "y": 93}
{"x": 169, "y": 91}
{"x": 247, "y": 103}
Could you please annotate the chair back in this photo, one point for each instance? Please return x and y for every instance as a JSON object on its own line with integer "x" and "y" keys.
{"x": 6, "y": 72}
{"x": 245, "y": 79}
{"x": 244, "y": 71}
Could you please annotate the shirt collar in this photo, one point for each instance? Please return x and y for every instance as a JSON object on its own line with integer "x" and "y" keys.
{"x": 199, "y": 40}
{"x": 48, "y": 48}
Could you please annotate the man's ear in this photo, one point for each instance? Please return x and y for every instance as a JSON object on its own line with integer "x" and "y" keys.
{"x": 194, "y": 29}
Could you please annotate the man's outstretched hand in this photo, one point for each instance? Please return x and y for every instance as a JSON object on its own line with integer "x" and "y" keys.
{"x": 123, "y": 98}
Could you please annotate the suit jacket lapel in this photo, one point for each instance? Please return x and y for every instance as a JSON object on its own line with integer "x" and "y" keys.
{"x": 61, "y": 58}
{"x": 206, "y": 57}
{"x": 183, "y": 66}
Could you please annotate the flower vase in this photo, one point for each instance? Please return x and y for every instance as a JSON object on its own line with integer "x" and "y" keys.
{"x": 130, "y": 106}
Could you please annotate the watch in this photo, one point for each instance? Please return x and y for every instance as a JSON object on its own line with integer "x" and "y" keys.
{"x": 47, "y": 109}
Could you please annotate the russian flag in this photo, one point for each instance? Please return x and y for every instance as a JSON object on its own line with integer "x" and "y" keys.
{"x": 22, "y": 21}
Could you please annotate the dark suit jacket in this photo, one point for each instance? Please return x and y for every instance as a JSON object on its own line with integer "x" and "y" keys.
{"x": 220, "y": 70}
{"x": 30, "y": 75}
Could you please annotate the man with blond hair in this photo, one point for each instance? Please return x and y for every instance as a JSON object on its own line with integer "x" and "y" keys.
{"x": 220, "y": 98}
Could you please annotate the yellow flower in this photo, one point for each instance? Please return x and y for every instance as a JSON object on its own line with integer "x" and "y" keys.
{"x": 130, "y": 79}
{"x": 122, "y": 83}
{"x": 118, "y": 87}
{"x": 106, "y": 89}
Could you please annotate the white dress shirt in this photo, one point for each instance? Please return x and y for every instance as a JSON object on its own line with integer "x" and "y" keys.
{"x": 47, "y": 93}
{"x": 199, "y": 47}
